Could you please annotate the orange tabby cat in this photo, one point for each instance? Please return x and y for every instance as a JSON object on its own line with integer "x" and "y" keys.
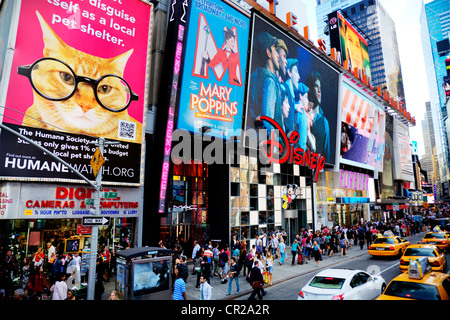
{"x": 81, "y": 113}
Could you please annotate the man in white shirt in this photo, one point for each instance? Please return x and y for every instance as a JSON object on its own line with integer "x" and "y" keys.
{"x": 205, "y": 289}
{"x": 194, "y": 252}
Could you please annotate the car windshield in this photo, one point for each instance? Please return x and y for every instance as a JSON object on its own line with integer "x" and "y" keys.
{"x": 327, "y": 282}
{"x": 435, "y": 235}
{"x": 412, "y": 290}
{"x": 384, "y": 241}
{"x": 424, "y": 252}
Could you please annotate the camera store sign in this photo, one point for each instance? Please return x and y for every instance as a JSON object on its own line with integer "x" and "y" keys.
{"x": 35, "y": 201}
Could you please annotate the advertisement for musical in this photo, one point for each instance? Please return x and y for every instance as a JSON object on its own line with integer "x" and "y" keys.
{"x": 363, "y": 130}
{"x": 289, "y": 84}
{"x": 212, "y": 88}
{"x": 60, "y": 201}
{"x": 78, "y": 73}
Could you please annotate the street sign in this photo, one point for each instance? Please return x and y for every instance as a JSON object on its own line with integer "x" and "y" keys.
{"x": 97, "y": 162}
{"x": 95, "y": 221}
{"x": 109, "y": 195}
{"x": 89, "y": 202}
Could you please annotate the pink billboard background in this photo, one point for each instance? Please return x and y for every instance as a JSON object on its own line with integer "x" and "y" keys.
{"x": 127, "y": 20}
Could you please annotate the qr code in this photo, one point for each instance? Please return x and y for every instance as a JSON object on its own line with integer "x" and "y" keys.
{"x": 127, "y": 130}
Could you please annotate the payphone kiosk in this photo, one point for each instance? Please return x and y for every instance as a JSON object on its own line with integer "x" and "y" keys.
{"x": 144, "y": 273}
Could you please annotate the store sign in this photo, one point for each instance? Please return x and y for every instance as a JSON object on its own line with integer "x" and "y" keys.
{"x": 353, "y": 180}
{"x": 50, "y": 201}
{"x": 285, "y": 152}
{"x": 78, "y": 73}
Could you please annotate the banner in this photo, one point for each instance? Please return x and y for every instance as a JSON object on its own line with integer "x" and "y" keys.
{"x": 296, "y": 89}
{"x": 212, "y": 88}
{"x": 363, "y": 130}
{"x": 78, "y": 73}
{"x": 403, "y": 169}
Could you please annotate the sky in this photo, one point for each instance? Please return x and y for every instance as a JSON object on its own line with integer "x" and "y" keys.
{"x": 406, "y": 16}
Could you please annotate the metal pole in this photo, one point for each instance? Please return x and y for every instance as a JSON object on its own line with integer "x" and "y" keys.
{"x": 94, "y": 230}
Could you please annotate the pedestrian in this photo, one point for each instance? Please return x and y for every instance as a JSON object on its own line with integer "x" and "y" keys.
{"x": 38, "y": 258}
{"x": 205, "y": 267}
{"x": 224, "y": 257}
{"x": 26, "y": 272}
{"x": 216, "y": 259}
{"x": 343, "y": 244}
{"x": 282, "y": 250}
{"x": 234, "y": 275}
{"x": 198, "y": 268}
{"x": 205, "y": 289}
{"x": 113, "y": 295}
{"x": 361, "y": 237}
{"x": 59, "y": 288}
{"x": 179, "y": 290}
{"x": 71, "y": 295}
{"x": 256, "y": 281}
{"x": 368, "y": 238}
{"x": 269, "y": 267}
{"x": 182, "y": 268}
{"x": 294, "y": 251}
{"x": 194, "y": 253}
{"x": 37, "y": 283}
{"x": 316, "y": 252}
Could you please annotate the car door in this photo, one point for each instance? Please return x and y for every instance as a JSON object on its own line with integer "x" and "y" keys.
{"x": 362, "y": 287}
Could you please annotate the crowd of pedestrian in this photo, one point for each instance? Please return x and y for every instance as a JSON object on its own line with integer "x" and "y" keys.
{"x": 50, "y": 273}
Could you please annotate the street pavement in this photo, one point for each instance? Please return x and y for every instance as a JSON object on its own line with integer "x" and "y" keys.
{"x": 281, "y": 273}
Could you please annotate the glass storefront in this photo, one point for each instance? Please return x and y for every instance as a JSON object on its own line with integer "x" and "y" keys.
{"x": 188, "y": 208}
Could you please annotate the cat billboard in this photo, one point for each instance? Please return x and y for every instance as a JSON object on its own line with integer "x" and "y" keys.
{"x": 78, "y": 73}
{"x": 212, "y": 88}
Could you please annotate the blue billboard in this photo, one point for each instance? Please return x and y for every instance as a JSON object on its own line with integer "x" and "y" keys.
{"x": 213, "y": 83}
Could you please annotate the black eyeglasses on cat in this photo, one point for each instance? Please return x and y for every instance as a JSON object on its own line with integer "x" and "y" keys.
{"x": 54, "y": 80}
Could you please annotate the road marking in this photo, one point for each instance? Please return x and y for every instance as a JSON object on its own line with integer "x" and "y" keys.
{"x": 388, "y": 268}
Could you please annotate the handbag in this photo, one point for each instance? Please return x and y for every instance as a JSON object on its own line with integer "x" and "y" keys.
{"x": 256, "y": 285}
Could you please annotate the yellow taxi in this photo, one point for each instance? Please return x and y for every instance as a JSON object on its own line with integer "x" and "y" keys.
{"x": 419, "y": 283}
{"x": 435, "y": 256}
{"x": 388, "y": 246}
{"x": 439, "y": 239}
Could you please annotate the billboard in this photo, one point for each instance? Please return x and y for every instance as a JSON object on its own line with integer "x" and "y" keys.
{"x": 78, "y": 73}
{"x": 349, "y": 42}
{"x": 292, "y": 86}
{"x": 387, "y": 178}
{"x": 362, "y": 130}
{"x": 446, "y": 85}
{"x": 212, "y": 88}
{"x": 403, "y": 169}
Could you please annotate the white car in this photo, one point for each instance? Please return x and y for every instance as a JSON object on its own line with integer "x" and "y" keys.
{"x": 343, "y": 284}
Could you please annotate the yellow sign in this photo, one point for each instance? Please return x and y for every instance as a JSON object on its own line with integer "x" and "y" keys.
{"x": 426, "y": 205}
{"x": 97, "y": 162}
{"x": 28, "y": 212}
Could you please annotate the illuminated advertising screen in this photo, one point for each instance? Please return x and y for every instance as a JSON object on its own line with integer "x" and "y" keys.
{"x": 295, "y": 90}
{"x": 362, "y": 131}
{"x": 447, "y": 86}
{"x": 212, "y": 88}
{"x": 78, "y": 73}
{"x": 349, "y": 42}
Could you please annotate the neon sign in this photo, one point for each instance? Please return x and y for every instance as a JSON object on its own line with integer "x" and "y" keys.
{"x": 170, "y": 121}
{"x": 273, "y": 149}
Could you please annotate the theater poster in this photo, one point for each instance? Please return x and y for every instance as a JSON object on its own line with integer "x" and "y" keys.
{"x": 212, "y": 88}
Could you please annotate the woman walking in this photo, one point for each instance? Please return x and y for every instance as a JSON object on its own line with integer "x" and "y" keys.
{"x": 316, "y": 253}
{"x": 282, "y": 249}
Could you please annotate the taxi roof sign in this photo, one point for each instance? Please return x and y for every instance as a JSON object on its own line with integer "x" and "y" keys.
{"x": 418, "y": 268}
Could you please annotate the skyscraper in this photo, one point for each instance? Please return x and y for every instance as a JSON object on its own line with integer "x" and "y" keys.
{"x": 435, "y": 24}
{"x": 376, "y": 26}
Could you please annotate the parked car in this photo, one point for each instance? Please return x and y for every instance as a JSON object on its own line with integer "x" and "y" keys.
{"x": 342, "y": 284}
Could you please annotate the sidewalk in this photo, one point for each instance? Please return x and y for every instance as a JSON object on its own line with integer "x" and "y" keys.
{"x": 281, "y": 273}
